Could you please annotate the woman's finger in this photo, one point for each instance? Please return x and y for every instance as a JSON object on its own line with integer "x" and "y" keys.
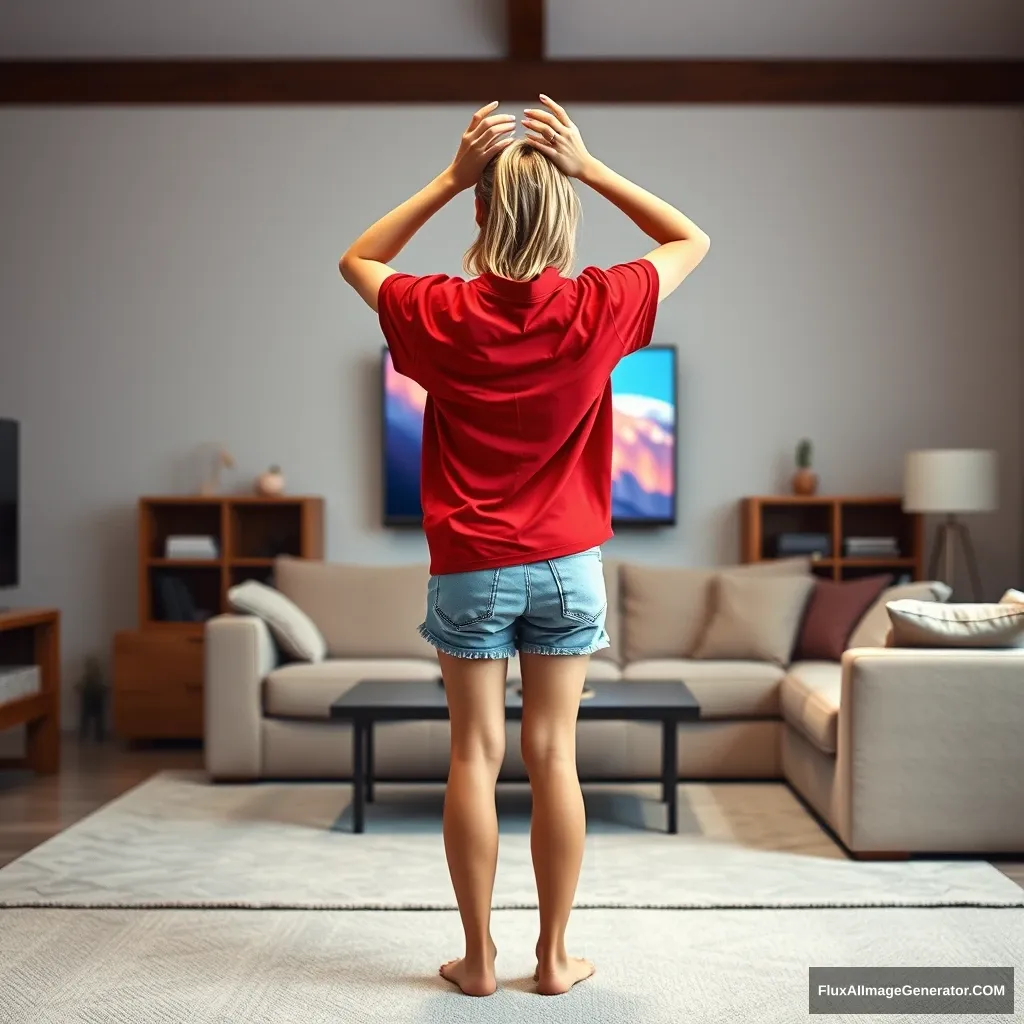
{"x": 559, "y": 111}
{"x": 504, "y": 121}
{"x": 488, "y": 139}
{"x": 540, "y": 145}
{"x": 545, "y": 131}
{"x": 482, "y": 113}
{"x": 540, "y": 127}
{"x": 497, "y": 147}
{"x": 497, "y": 129}
{"x": 547, "y": 117}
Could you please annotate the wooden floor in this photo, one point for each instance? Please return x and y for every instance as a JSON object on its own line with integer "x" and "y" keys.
{"x": 34, "y": 808}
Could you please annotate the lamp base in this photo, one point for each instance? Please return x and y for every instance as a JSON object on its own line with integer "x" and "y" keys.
{"x": 949, "y": 533}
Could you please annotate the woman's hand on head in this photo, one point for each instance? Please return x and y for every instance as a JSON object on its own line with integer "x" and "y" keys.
{"x": 487, "y": 135}
{"x": 550, "y": 131}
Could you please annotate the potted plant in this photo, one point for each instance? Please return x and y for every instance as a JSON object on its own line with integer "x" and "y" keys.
{"x": 92, "y": 692}
{"x": 805, "y": 480}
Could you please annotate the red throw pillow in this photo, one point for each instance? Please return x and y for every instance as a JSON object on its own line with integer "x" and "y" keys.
{"x": 833, "y": 611}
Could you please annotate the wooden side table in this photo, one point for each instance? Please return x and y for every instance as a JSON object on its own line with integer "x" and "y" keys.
{"x": 31, "y": 636}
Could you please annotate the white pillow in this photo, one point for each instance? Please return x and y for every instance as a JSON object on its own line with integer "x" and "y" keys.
{"x": 873, "y": 628}
{"x": 292, "y": 627}
{"x": 1013, "y": 597}
{"x": 931, "y": 624}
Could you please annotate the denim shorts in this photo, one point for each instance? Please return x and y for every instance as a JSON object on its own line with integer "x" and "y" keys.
{"x": 553, "y": 607}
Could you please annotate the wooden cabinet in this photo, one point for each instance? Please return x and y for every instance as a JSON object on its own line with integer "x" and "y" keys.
{"x": 158, "y": 684}
{"x": 158, "y": 668}
{"x": 31, "y": 636}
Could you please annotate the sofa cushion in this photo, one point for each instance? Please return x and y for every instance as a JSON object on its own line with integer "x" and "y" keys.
{"x": 308, "y": 691}
{"x": 755, "y": 618}
{"x": 872, "y": 630}
{"x": 932, "y": 624}
{"x": 810, "y": 701}
{"x": 724, "y": 689}
{"x": 363, "y": 611}
{"x": 1012, "y": 597}
{"x": 665, "y": 610}
{"x": 294, "y": 631}
{"x": 833, "y": 611}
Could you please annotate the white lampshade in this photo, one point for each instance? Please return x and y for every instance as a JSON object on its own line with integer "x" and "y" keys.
{"x": 950, "y": 481}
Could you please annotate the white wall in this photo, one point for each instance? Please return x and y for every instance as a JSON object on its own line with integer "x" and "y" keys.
{"x": 576, "y": 28}
{"x": 253, "y": 28}
{"x": 170, "y": 280}
{"x": 786, "y": 28}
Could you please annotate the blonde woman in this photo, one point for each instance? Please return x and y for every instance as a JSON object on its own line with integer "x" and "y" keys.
{"x": 516, "y": 479}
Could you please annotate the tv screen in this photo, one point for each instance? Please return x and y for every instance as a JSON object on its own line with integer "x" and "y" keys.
{"x": 8, "y": 503}
{"x": 643, "y": 456}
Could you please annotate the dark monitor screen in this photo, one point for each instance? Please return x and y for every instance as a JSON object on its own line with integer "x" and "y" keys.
{"x": 9, "y": 481}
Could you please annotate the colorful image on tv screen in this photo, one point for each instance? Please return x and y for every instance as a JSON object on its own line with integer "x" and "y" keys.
{"x": 643, "y": 455}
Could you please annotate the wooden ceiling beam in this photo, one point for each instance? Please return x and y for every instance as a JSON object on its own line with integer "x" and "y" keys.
{"x": 526, "y": 22}
{"x": 310, "y": 82}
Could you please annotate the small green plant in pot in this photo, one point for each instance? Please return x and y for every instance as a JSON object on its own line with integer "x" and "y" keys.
{"x": 805, "y": 480}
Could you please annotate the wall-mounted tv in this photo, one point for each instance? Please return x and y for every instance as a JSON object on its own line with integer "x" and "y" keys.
{"x": 9, "y": 480}
{"x": 643, "y": 458}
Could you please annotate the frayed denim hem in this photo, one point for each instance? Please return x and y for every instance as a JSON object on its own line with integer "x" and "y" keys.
{"x": 597, "y": 645}
{"x": 494, "y": 654}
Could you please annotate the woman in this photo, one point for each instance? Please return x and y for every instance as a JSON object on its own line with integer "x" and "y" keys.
{"x": 516, "y": 479}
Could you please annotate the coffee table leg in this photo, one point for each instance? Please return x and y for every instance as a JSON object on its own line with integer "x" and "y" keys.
{"x": 670, "y": 773}
{"x": 358, "y": 775}
{"x": 369, "y": 762}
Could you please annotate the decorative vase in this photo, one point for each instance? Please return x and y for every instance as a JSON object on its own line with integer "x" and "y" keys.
{"x": 805, "y": 483}
{"x": 271, "y": 483}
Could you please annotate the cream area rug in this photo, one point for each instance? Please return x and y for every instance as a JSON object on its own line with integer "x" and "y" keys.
{"x": 279, "y": 967}
{"x": 177, "y": 841}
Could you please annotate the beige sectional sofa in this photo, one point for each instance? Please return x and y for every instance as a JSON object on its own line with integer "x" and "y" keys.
{"x": 897, "y": 751}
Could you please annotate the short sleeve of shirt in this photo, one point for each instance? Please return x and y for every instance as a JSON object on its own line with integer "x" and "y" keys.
{"x": 407, "y": 308}
{"x": 630, "y": 300}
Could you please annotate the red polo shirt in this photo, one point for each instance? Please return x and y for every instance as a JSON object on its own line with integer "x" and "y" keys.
{"x": 517, "y": 431}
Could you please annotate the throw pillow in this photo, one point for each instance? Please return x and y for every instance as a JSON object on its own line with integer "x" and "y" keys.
{"x": 666, "y": 609}
{"x": 872, "y": 630}
{"x": 929, "y": 624}
{"x": 1012, "y": 597}
{"x": 833, "y": 611}
{"x": 755, "y": 617}
{"x": 292, "y": 628}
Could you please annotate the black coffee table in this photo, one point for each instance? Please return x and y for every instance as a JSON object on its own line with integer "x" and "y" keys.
{"x": 373, "y": 701}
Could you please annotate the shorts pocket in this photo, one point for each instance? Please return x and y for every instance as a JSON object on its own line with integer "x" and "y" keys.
{"x": 581, "y": 587}
{"x": 463, "y": 598}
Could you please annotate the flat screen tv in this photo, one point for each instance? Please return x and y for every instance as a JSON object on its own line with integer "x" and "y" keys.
{"x": 9, "y": 479}
{"x": 643, "y": 457}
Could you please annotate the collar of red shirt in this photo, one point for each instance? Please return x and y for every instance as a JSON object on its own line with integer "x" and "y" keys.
{"x": 548, "y": 281}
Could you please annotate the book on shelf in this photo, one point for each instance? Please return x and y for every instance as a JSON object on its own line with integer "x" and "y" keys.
{"x": 191, "y": 547}
{"x": 871, "y": 547}
{"x": 790, "y": 544}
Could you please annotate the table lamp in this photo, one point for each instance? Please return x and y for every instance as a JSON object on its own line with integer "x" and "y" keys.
{"x": 951, "y": 482}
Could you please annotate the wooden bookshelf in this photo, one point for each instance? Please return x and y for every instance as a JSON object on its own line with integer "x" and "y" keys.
{"x": 763, "y": 519}
{"x": 158, "y": 667}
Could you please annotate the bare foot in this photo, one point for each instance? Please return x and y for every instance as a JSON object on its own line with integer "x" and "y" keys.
{"x": 471, "y": 979}
{"x": 557, "y": 978}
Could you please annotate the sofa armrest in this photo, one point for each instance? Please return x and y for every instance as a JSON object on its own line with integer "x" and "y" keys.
{"x": 929, "y": 752}
{"x": 240, "y": 653}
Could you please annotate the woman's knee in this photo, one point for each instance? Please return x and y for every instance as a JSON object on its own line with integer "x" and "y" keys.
{"x": 544, "y": 748}
{"x": 483, "y": 746}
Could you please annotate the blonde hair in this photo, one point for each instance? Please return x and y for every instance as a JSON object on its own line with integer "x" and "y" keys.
{"x": 532, "y": 214}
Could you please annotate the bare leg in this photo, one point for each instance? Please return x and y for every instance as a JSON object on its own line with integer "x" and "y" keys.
{"x": 476, "y": 705}
{"x": 552, "y": 686}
